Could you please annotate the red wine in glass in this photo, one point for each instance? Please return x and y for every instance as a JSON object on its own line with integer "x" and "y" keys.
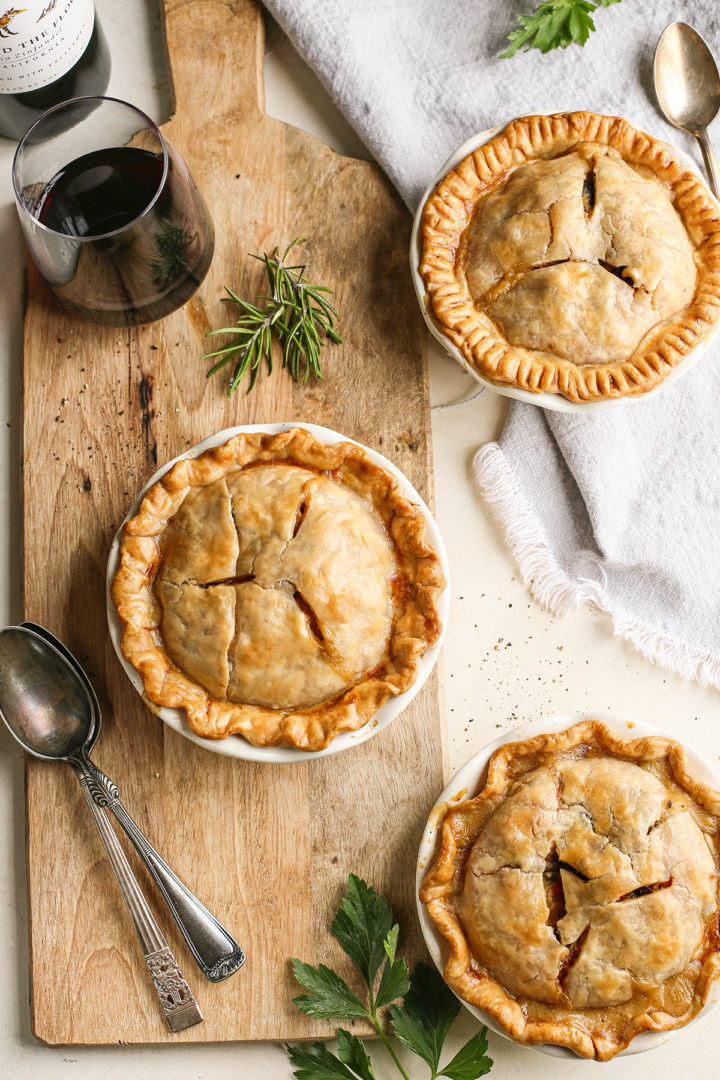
{"x": 120, "y": 232}
{"x": 101, "y": 191}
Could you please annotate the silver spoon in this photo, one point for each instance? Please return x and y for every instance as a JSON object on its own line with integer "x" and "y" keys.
{"x": 215, "y": 951}
{"x": 50, "y": 708}
{"x": 687, "y": 85}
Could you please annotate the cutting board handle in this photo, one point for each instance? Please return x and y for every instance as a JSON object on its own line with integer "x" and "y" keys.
{"x": 215, "y": 52}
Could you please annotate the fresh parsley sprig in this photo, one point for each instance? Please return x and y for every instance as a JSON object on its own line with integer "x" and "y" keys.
{"x": 364, "y": 926}
{"x": 555, "y": 24}
{"x": 296, "y": 310}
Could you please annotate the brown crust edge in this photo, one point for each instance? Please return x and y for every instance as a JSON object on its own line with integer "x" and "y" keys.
{"x": 478, "y": 988}
{"x": 417, "y": 627}
{"x": 447, "y": 213}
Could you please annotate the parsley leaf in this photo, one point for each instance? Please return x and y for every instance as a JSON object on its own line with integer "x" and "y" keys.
{"x": 471, "y": 1061}
{"x": 394, "y": 979}
{"x": 361, "y": 925}
{"x": 316, "y": 1062}
{"x": 423, "y": 1020}
{"x": 352, "y": 1051}
{"x": 364, "y": 927}
{"x": 555, "y": 24}
{"x": 390, "y": 942}
{"x": 393, "y": 984}
{"x": 329, "y": 995}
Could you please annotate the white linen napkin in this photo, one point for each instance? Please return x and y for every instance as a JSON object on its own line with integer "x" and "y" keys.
{"x": 621, "y": 508}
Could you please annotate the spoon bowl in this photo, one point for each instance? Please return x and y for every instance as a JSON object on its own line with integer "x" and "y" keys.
{"x": 686, "y": 78}
{"x": 44, "y": 703}
{"x": 687, "y": 85}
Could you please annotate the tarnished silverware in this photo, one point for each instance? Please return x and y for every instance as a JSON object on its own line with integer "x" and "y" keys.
{"x": 215, "y": 950}
{"x": 50, "y": 712}
{"x": 688, "y": 88}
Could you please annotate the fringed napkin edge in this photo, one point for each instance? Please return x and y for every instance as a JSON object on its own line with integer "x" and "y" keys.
{"x": 551, "y": 586}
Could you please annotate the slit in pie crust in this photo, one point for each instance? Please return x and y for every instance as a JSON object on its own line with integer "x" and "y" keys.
{"x": 578, "y": 891}
{"x": 571, "y": 254}
{"x": 277, "y": 588}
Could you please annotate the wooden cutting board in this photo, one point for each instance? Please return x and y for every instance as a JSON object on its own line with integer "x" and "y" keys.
{"x": 267, "y": 847}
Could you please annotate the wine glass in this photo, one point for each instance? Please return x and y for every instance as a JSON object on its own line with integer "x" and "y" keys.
{"x": 110, "y": 213}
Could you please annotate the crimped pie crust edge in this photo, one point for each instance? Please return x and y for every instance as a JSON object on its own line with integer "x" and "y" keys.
{"x": 415, "y": 628}
{"x": 448, "y": 211}
{"x": 481, "y": 990}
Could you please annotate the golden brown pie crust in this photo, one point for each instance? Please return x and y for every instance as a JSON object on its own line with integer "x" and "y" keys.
{"x": 144, "y": 590}
{"x": 511, "y": 805}
{"x": 449, "y": 213}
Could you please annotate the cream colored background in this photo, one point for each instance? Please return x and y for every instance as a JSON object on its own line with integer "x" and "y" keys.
{"x": 506, "y": 660}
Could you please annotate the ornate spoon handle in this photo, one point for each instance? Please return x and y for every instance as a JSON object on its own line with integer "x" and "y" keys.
{"x": 180, "y": 1007}
{"x": 217, "y": 953}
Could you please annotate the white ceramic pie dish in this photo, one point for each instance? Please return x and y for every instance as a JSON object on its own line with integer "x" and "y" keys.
{"x": 468, "y": 781}
{"x": 235, "y": 745}
{"x": 553, "y": 402}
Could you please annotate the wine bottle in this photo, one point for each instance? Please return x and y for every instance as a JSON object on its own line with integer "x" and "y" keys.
{"x": 50, "y": 51}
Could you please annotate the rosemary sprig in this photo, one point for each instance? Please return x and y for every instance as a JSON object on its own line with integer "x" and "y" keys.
{"x": 296, "y": 310}
{"x": 171, "y": 245}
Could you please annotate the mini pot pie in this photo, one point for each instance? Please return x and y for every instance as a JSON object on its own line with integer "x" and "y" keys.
{"x": 277, "y": 588}
{"x": 578, "y": 891}
{"x": 572, "y": 255}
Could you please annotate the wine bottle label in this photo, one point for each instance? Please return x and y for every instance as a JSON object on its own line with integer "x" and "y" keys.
{"x": 42, "y": 41}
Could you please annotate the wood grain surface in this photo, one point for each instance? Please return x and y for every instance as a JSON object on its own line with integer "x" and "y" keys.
{"x": 268, "y": 848}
